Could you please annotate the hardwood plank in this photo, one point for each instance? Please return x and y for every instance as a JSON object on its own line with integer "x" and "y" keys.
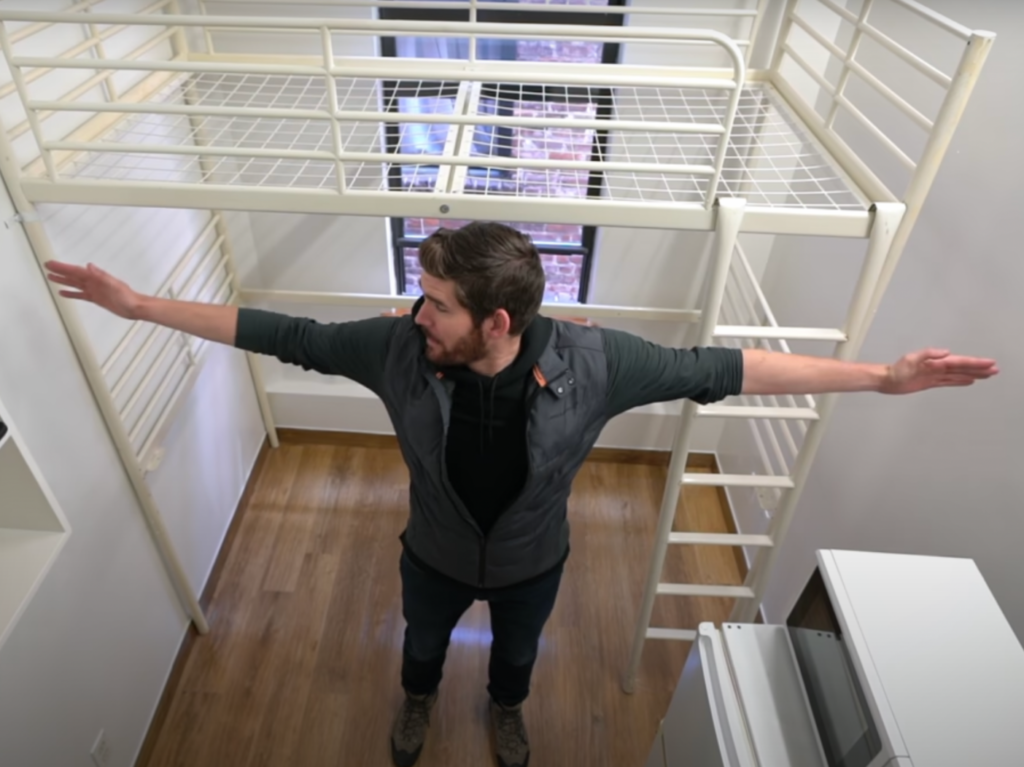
{"x": 185, "y": 651}
{"x": 601, "y": 454}
{"x": 306, "y": 672}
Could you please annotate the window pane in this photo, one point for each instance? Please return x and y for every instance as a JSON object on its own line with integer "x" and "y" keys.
{"x": 563, "y": 272}
{"x": 563, "y": 277}
{"x": 541, "y": 234}
{"x": 422, "y": 138}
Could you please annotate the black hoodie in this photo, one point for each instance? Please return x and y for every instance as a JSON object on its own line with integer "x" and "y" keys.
{"x": 486, "y": 453}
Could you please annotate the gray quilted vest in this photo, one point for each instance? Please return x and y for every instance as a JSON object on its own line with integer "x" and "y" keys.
{"x": 566, "y": 412}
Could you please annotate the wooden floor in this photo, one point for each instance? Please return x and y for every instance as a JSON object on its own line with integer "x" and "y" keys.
{"x": 301, "y": 665}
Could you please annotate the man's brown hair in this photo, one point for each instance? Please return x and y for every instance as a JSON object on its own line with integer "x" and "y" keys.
{"x": 493, "y": 267}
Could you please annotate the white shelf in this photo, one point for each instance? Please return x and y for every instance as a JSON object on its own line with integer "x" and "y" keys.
{"x": 25, "y": 558}
{"x": 32, "y": 530}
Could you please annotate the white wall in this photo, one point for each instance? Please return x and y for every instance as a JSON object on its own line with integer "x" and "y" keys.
{"x": 94, "y": 647}
{"x": 936, "y": 473}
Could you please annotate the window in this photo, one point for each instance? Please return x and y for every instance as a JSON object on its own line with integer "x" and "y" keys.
{"x": 566, "y": 249}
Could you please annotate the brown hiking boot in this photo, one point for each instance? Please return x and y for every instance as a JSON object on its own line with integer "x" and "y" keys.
{"x": 410, "y": 728}
{"x": 512, "y": 746}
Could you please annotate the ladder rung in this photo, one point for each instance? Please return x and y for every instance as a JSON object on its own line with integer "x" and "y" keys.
{"x": 720, "y": 539}
{"x": 738, "y": 480}
{"x": 705, "y": 590}
{"x": 742, "y": 411}
{"x": 789, "y": 334}
{"x": 686, "y": 635}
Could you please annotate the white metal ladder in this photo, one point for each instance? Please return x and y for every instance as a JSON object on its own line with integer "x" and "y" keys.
{"x": 748, "y": 596}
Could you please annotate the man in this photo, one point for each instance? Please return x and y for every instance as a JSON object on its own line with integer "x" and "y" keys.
{"x": 495, "y": 408}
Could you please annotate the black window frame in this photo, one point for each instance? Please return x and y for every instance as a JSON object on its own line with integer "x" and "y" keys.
{"x": 519, "y": 15}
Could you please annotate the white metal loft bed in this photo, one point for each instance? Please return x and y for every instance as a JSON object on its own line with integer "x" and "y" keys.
{"x": 169, "y": 105}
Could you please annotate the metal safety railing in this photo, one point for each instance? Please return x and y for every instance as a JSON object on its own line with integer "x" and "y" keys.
{"x": 30, "y": 75}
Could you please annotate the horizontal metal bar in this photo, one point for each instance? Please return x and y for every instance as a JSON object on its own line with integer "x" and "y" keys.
{"x": 93, "y": 81}
{"x": 385, "y": 26}
{"x": 819, "y": 38}
{"x": 370, "y": 116}
{"x": 738, "y": 42}
{"x": 582, "y": 311}
{"x": 432, "y": 70}
{"x": 737, "y": 480}
{"x": 182, "y": 358}
{"x": 840, "y": 99}
{"x": 738, "y": 411}
{"x": 846, "y": 14}
{"x": 720, "y": 539}
{"x": 636, "y": 214}
{"x": 704, "y": 590}
{"x": 894, "y": 47}
{"x": 375, "y": 157}
{"x": 166, "y": 66}
{"x": 26, "y": 32}
{"x": 936, "y": 18}
{"x": 894, "y": 98}
{"x": 877, "y": 132}
{"x": 683, "y": 635}
{"x": 522, "y": 72}
{"x": 913, "y": 59}
{"x": 162, "y": 291}
{"x": 852, "y": 163}
{"x": 622, "y": 10}
{"x": 791, "y": 334}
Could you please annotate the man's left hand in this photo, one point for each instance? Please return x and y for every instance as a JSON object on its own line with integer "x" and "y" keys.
{"x": 932, "y": 368}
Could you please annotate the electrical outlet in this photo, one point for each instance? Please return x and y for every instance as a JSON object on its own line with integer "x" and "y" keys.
{"x": 100, "y": 753}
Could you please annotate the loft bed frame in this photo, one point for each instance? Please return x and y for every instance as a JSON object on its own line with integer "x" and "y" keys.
{"x": 160, "y": 114}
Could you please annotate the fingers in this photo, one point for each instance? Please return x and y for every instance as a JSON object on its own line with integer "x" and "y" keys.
{"x": 59, "y": 267}
{"x": 60, "y": 280}
{"x": 970, "y": 365}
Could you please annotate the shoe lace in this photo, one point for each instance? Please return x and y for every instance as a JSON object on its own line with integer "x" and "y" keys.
{"x": 417, "y": 716}
{"x": 511, "y": 729}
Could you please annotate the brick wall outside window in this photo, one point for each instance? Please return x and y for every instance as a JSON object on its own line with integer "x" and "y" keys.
{"x": 563, "y": 272}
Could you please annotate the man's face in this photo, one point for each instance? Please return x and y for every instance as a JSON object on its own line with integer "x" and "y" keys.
{"x": 452, "y": 339}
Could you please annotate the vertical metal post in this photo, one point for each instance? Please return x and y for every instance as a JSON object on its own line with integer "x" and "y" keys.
{"x": 964, "y": 79}
{"x": 207, "y": 35}
{"x": 730, "y": 216}
{"x": 255, "y": 371}
{"x": 43, "y": 251}
{"x": 108, "y": 81}
{"x": 887, "y": 221}
{"x": 755, "y": 30}
{"x": 851, "y": 52}
{"x": 472, "y": 34}
{"x": 332, "y": 102}
{"x": 259, "y": 385}
{"x": 787, "y": 24}
{"x": 740, "y": 73}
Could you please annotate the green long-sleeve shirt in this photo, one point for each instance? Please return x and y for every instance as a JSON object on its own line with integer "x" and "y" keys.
{"x": 639, "y": 371}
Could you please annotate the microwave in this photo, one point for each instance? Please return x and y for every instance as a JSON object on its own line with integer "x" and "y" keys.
{"x": 884, "y": 660}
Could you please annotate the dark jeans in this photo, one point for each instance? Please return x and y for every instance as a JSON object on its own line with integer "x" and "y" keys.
{"x": 432, "y": 606}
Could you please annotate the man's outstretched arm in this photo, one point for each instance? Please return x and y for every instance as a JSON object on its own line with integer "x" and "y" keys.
{"x": 777, "y": 373}
{"x": 90, "y": 283}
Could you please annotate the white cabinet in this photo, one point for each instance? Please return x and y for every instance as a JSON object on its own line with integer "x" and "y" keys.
{"x": 32, "y": 527}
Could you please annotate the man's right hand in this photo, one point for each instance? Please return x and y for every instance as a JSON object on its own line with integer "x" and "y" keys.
{"x": 91, "y": 283}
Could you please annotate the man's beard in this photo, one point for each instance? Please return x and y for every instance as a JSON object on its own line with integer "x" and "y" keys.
{"x": 468, "y": 349}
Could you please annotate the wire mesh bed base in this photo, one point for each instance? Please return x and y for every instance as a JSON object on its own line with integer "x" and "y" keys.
{"x": 576, "y": 146}
{"x": 770, "y": 159}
